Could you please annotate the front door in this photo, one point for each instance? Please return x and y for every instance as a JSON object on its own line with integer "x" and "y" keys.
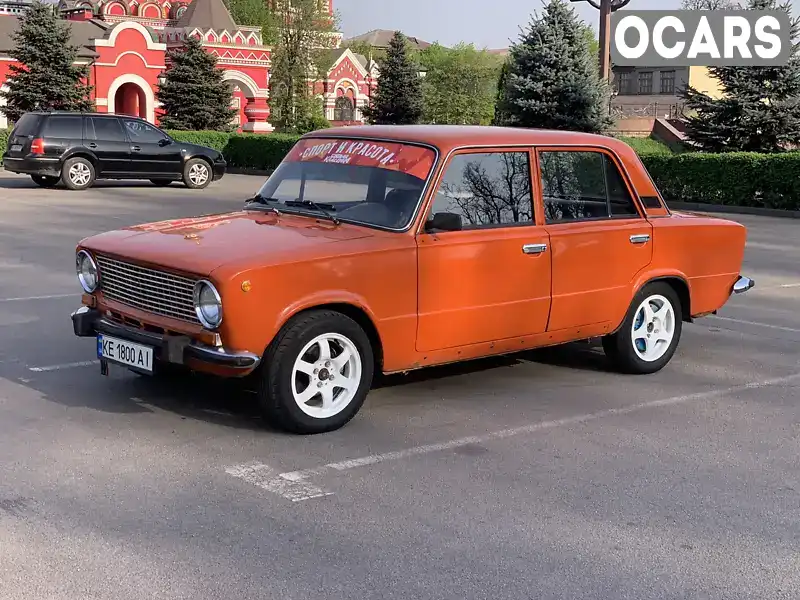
{"x": 491, "y": 280}
{"x": 152, "y": 152}
{"x": 600, "y": 240}
{"x": 105, "y": 137}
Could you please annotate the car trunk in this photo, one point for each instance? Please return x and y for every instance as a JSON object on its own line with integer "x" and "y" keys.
{"x": 23, "y": 134}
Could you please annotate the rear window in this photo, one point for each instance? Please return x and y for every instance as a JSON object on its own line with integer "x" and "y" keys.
{"x": 363, "y": 181}
{"x": 27, "y": 125}
{"x": 66, "y": 127}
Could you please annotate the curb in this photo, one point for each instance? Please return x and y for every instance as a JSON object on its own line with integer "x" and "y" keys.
{"x": 739, "y": 210}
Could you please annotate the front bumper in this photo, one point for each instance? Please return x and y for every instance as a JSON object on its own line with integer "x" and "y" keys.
{"x": 180, "y": 350}
{"x": 219, "y": 170}
{"x": 742, "y": 285}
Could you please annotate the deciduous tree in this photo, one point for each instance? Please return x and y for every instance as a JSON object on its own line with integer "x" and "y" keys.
{"x": 46, "y": 76}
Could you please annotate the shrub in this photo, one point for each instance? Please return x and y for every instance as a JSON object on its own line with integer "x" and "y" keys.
{"x": 258, "y": 151}
{"x": 213, "y": 139}
{"x": 732, "y": 179}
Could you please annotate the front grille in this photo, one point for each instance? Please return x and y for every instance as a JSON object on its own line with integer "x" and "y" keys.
{"x": 149, "y": 290}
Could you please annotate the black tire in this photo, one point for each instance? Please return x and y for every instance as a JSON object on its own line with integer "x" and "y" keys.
{"x": 276, "y": 375}
{"x": 197, "y": 173}
{"x": 161, "y": 182}
{"x": 620, "y": 347}
{"x": 71, "y": 170}
{"x": 45, "y": 181}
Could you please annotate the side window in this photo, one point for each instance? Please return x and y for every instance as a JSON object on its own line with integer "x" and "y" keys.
{"x": 142, "y": 132}
{"x": 63, "y": 127}
{"x": 106, "y": 129}
{"x": 487, "y": 189}
{"x": 583, "y": 185}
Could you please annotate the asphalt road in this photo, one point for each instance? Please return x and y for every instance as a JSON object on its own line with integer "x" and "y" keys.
{"x": 541, "y": 475}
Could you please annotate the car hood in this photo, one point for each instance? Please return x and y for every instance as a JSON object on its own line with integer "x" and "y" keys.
{"x": 200, "y": 245}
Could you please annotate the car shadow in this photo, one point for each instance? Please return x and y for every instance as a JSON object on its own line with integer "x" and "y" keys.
{"x": 19, "y": 182}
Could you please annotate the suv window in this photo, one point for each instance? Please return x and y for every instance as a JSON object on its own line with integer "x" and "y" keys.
{"x": 105, "y": 129}
{"x": 27, "y": 124}
{"x": 487, "y": 189}
{"x": 142, "y": 132}
{"x": 64, "y": 127}
{"x": 580, "y": 185}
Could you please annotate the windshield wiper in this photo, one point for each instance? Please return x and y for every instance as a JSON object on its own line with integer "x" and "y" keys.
{"x": 324, "y": 208}
{"x": 259, "y": 199}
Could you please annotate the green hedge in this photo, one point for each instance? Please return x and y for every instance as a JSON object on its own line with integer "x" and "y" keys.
{"x": 734, "y": 179}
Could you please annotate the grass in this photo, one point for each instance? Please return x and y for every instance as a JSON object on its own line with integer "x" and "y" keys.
{"x": 646, "y": 145}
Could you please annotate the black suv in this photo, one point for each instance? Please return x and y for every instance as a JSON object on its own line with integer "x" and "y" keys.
{"x": 77, "y": 148}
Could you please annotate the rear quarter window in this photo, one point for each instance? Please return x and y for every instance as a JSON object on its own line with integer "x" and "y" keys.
{"x": 65, "y": 127}
{"x": 27, "y": 125}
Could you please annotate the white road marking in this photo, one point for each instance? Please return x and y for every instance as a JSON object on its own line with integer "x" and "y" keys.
{"x": 84, "y": 363}
{"x": 282, "y": 484}
{"x": 276, "y": 482}
{"x": 742, "y": 321}
{"x": 49, "y": 297}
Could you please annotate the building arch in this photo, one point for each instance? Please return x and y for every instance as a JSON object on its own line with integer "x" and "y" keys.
{"x": 145, "y": 91}
{"x": 243, "y": 79}
{"x": 112, "y": 38}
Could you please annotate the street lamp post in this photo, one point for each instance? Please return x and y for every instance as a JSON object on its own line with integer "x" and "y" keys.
{"x": 606, "y": 7}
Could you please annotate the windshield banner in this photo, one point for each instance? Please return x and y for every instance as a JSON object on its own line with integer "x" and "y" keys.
{"x": 413, "y": 160}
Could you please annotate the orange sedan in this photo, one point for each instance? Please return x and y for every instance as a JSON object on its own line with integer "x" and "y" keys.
{"x": 389, "y": 249}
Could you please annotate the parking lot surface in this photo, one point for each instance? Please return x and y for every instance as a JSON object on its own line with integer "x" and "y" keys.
{"x": 541, "y": 475}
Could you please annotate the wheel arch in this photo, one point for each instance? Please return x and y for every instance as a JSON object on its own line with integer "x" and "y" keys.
{"x": 681, "y": 287}
{"x": 81, "y": 153}
{"x": 356, "y": 313}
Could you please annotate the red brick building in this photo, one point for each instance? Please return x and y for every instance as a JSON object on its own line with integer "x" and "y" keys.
{"x": 125, "y": 42}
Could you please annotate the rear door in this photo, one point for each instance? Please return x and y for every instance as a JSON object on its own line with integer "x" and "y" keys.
{"x": 152, "y": 152}
{"x": 599, "y": 237}
{"x": 24, "y": 132}
{"x": 106, "y": 138}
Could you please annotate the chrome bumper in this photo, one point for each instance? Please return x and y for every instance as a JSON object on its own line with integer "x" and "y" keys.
{"x": 742, "y": 285}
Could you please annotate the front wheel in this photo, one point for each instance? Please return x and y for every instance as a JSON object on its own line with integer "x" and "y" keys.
{"x": 316, "y": 373}
{"x": 197, "y": 174}
{"x": 650, "y": 333}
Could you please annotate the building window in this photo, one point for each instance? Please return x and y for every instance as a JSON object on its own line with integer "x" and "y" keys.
{"x": 646, "y": 82}
{"x": 624, "y": 84}
{"x": 667, "y": 82}
{"x": 344, "y": 110}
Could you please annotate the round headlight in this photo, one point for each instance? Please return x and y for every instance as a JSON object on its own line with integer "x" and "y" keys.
{"x": 87, "y": 271}
{"x": 207, "y": 304}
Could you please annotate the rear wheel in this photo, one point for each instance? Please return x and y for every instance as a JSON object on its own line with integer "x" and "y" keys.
{"x": 45, "y": 181}
{"x": 196, "y": 174}
{"x": 650, "y": 333}
{"x": 316, "y": 373}
{"x": 78, "y": 173}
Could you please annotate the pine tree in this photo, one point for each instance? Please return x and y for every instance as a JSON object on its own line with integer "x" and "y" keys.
{"x": 194, "y": 96}
{"x": 553, "y": 80}
{"x": 759, "y": 110}
{"x": 500, "y": 116}
{"x": 46, "y": 76}
{"x": 397, "y": 99}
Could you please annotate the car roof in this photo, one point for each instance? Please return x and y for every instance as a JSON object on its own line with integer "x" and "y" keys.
{"x": 447, "y": 137}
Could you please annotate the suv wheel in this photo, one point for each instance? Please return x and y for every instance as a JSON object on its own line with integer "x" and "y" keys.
{"x": 45, "y": 181}
{"x": 78, "y": 173}
{"x": 197, "y": 174}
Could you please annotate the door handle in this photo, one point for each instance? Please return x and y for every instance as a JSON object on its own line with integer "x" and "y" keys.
{"x": 641, "y": 238}
{"x": 136, "y": 148}
{"x": 534, "y": 248}
{"x": 92, "y": 145}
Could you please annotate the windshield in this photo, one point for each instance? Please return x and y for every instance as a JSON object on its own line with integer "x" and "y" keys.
{"x": 374, "y": 183}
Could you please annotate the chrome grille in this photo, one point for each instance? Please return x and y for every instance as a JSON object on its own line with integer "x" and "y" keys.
{"x": 149, "y": 290}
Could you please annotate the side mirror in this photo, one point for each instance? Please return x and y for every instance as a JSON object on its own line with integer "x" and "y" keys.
{"x": 444, "y": 222}
{"x": 164, "y": 142}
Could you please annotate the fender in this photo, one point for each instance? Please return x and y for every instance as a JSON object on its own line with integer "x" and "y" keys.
{"x": 647, "y": 276}
{"x": 323, "y": 298}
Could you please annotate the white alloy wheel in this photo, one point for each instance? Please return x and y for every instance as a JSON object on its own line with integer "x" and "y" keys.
{"x": 326, "y": 375}
{"x": 80, "y": 174}
{"x": 198, "y": 174}
{"x": 653, "y": 328}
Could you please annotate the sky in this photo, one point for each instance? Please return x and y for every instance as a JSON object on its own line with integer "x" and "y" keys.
{"x": 485, "y": 23}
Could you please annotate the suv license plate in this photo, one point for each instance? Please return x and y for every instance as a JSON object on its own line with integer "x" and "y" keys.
{"x": 16, "y": 148}
{"x": 125, "y": 352}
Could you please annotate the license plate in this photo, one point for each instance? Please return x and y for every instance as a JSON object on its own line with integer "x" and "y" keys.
{"x": 125, "y": 352}
{"x": 16, "y": 148}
